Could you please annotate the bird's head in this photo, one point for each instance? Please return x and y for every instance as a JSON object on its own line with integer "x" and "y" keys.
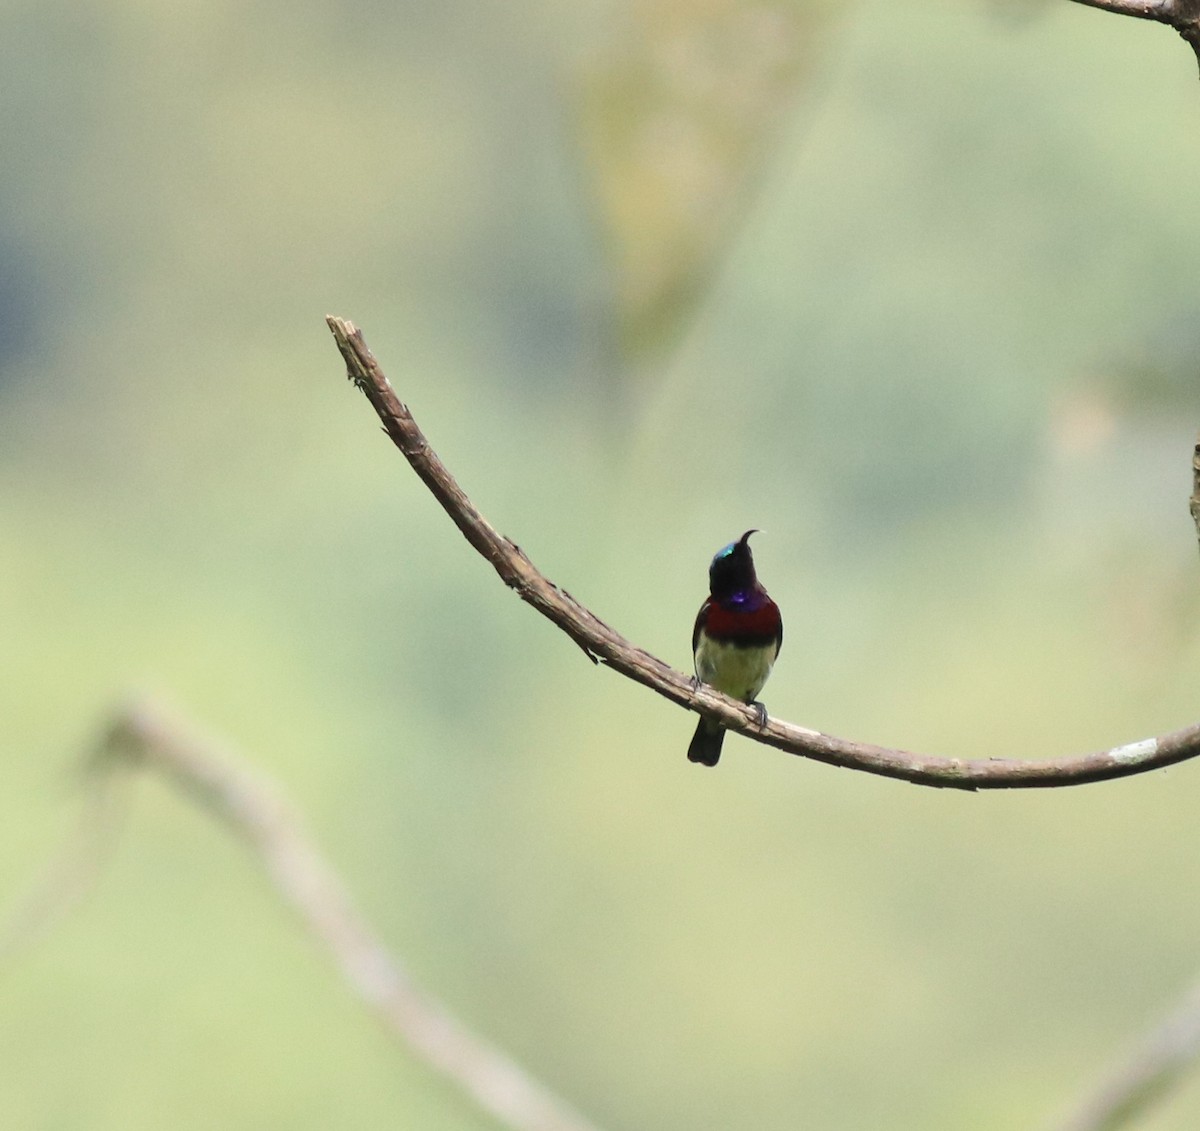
{"x": 732, "y": 570}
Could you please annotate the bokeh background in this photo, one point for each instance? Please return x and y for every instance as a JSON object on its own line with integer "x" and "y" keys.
{"x": 912, "y": 287}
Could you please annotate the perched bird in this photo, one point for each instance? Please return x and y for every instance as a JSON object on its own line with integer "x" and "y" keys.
{"x": 737, "y": 636}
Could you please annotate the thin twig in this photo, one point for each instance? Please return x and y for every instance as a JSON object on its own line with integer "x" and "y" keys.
{"x": 605, "y": 646}
{"x": 147, "y": 736}
{"x": 1146, "y": 1073}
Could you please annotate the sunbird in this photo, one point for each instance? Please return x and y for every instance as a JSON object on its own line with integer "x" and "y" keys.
{"x": 737, "y": 636}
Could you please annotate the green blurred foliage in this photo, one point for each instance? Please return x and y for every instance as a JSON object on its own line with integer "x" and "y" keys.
{"x": 676, "y": 116}
{"x": 947, "y": 363}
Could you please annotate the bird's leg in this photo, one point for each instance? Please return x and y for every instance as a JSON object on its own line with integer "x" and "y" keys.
{"x": 761, "y": 711}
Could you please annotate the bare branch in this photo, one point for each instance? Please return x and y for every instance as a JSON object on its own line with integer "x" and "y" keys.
{"x": 608, "y": 647}
{"x": 146, "y": 736}
{"x": 1151, "y": 1069}
{"x": 1161, "y": 10}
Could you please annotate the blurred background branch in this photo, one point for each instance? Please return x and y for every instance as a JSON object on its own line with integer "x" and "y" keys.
{"x": 1145, "y": 1075}
{"x": 1194, "y": 505}
{"x": 144, "y": 736}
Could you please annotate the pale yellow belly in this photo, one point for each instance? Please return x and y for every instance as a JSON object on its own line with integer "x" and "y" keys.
{"x": 739, "y": 672}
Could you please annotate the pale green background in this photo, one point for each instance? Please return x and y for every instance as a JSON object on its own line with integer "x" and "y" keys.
{"x": 948, "y": 366}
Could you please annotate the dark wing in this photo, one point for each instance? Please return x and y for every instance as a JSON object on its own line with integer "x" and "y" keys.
{"x": 701, "y": 620}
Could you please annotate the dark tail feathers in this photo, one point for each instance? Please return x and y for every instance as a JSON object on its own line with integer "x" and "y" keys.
{"x": 706, "y": 743}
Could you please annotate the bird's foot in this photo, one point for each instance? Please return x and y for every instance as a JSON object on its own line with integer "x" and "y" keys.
{"x": 761, "y": 711}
